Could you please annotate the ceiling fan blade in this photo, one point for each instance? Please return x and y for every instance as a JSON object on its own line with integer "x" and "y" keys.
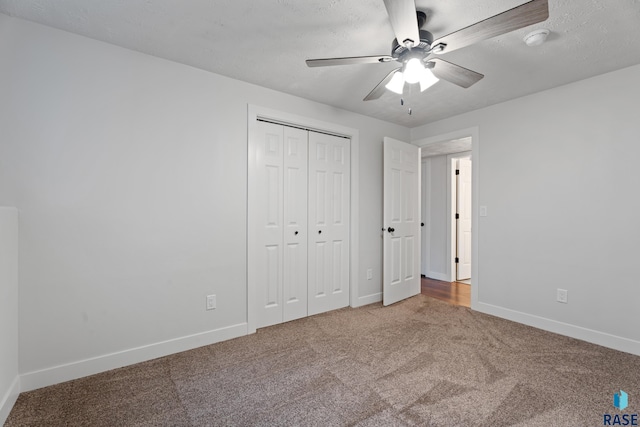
{"x": 352, "y": 60}
{"x": 380, "y": 88}
{"x": 404, "y": 21}
{"x": 454, "y": 73}
{"x": 519, "y": 17}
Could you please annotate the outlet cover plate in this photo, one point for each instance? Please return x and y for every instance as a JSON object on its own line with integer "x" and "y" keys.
{"x": 562, "y": 296}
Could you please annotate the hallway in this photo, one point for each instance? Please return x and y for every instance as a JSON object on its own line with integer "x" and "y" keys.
{"x": 456, "y": 293}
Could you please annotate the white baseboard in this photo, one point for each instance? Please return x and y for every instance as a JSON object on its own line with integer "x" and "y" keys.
{"x": 438, "y": 276}
{"x": 366, "y": 300}
{"x": 573, "y": 331}
{"x": 94, "y": 365}
{"x": 9, "y": 399}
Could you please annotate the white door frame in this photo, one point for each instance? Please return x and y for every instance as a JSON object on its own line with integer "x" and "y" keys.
{"x": 255, "y": 112}
{"x": 473, "y": 133}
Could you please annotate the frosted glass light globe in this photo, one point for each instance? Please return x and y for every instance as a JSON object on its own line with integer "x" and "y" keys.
{"x": 413, "y": 70}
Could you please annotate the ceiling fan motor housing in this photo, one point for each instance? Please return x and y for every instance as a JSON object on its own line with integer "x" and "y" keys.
{"x": 403, "y": 50}
{"x": 399, "y": 51}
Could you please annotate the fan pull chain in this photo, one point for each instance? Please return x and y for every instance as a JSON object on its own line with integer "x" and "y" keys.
{"x": 402, "y": 104}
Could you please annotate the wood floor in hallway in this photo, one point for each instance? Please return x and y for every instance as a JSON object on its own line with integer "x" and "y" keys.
{"x": 452, "y": 292}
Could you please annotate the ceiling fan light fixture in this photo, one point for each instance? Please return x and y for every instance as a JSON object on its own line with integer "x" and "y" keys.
{"x": 396, "y": 84}
{"x": 413, "y": 70}
{"x": 413, "y": 46}
{"x": 427, "y": 80}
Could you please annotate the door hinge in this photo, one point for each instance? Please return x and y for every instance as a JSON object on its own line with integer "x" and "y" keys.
{"x": 457, "y": 260}
{"x": 457, "y": 216}
{"x": 457, "y": 171}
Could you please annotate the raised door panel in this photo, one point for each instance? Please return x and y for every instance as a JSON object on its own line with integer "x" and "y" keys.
{"x": 329, "y": 196}
{"x": 266, "y": 218}
{"x": 295, "y": 223}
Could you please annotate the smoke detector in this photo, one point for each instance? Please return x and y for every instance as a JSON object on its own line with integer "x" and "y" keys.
{"x": 536, "y": 38}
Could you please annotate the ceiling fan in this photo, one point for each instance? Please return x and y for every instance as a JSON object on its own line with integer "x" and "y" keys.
{"x": 413, "y": 47}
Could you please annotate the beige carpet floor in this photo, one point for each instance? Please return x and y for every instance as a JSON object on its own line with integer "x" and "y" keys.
{"x": 418, "y": 362}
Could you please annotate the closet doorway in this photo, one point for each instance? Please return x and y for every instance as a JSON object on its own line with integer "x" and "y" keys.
{"x": 299, "y": 214}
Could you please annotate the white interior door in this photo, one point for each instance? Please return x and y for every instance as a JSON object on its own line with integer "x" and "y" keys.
{"x": 463, "y": 223}
{"x": 266, "y": 217}
{"x": 401, "y": 257}
{"x": 295, "y": 224}
{"x": 329, "y": 198}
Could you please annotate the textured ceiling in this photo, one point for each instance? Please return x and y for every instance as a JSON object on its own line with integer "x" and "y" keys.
{"x": 266, "y": 42}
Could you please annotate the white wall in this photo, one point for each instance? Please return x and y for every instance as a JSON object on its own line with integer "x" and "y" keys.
{"x": 435, "y": 217}
{"x": 555, "y": 174}
{"x": 9, "y": 379}
{"x": 131, "y": 177}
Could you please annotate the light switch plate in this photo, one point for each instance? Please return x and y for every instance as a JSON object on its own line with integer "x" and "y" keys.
{"x": 211, "y": 302}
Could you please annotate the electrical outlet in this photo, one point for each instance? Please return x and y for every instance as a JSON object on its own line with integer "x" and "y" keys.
{"x": 211, "y": 302}
{"x": 562, "y": 296}
{"x": 369, "y": 274}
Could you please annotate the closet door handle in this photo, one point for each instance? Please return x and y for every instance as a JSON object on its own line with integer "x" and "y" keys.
{"x": 319, "y": 231}
{"x": 296, "y": 233}
{"x": 391, "y": 229}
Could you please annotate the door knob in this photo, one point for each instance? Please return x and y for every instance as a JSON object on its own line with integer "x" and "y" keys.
{"x": 422, "y": 224}
{"x": 391, "y": 229}
{"x": 296, "y": 233}
{"x": 319, "y": 231}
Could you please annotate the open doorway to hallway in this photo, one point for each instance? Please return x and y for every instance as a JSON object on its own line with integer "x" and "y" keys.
{"x": 447, "y": 220}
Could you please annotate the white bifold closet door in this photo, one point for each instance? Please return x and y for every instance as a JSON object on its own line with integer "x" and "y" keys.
{"x": 298, "y": 254}
{"x": 329, "y": 198}
{"x": 280, "y": 233}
